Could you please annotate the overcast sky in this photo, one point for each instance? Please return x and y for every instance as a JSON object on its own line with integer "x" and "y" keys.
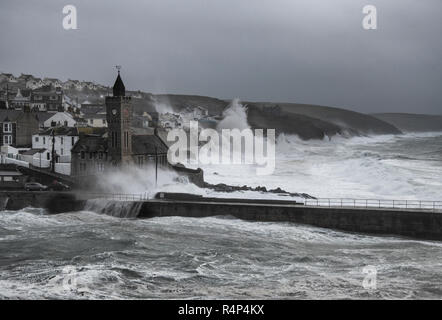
{"x": 306, "y": 51}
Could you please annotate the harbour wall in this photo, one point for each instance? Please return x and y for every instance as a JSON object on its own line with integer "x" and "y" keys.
{"x": 54, "y": 202}
{"x": 400, "y": 222}
{"x": 412, "y": 223}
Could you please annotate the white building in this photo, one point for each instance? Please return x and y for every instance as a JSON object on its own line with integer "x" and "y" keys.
{"x": 170, "y": 120}
{"x": 72, "y": 84}
{"x": 34, "y": 84}
{"x": 95, "y": 120}
{"x": 199, "y": 112}
{"x": 8, "y": 77}
{"x": 52, "y": 81}
{"x": 40, "y": 158}
{"x": 60, "y": 119}
{"x": 65, "y": 139}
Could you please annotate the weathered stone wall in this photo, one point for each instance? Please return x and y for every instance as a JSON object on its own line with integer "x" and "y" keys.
{"x": 407, "y": 223}
{"x": 415, "y": 224}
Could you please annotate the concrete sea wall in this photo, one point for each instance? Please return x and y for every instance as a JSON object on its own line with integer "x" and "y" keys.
{"x": 407, "y": 223}
{"x": 411, "y": 223}
{"x": 54, "y": 202}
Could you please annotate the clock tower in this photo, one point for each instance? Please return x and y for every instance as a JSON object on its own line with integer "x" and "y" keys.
{"x": 119, "y": 116}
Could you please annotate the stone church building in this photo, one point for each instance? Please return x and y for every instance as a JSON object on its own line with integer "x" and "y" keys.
{"x": 121, "y": 145}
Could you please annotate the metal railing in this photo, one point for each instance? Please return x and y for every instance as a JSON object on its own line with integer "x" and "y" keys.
{"x": 375, "y": 203}
{"x": 425, "y": 205}
{"x": 115, "y": 196}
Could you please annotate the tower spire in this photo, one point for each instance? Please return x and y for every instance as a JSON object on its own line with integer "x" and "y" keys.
{"x": 119, "y": 90}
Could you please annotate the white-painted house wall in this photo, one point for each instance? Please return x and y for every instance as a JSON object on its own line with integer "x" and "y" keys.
{"x": 61, "y": 119}
{"x": 96, "y": 122}
{"x": 63, "y": 144}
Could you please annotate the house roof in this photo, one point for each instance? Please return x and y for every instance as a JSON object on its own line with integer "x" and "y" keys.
{"x": 22, "y": 94}
{"x": 90, "y": 143}
{"x": 9, "y": 115}
{"x": 78, "y": 119}
{"x": 92, "y": 108}
{"x": 60, "y": 131}
{"x": 31, "y": 152}
{"x": 94, "y": 116}
{"x": 45, "y": 90}
{"x": 146, "y": 144}
{"x": 26, "y": 76}
{"x": 142, "y": 131}
{"x": 43, "y": 116}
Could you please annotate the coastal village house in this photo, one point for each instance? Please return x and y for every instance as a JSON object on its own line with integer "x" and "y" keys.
{"x": 59, "y": 119}
{"x": 64, "y": 140}
{"x": 95, "y": 120}
{"x": 9, "y": 77}
{"x": 52, "y": 82}
{"x": 121, "y": 145}
{"x": 47, "y": 99}
{"x": 17, "y": 128}
{"x": 59, "y": 140}
{"x": 94, "y": 115}
{"x": 22, "y": 100}
{"x": 34, "y": 83}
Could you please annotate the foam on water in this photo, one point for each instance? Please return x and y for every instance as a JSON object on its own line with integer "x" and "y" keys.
{"x": 222, "y": 257}
{"x": 379, "y": 167}
{"x": 176, "y": 257}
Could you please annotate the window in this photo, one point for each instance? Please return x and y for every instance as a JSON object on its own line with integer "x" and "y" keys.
{"x": 91, "y": 121}
{"x": 104, "y": 121}
{"x": 36, "y": 139}
{"x": 44, "y": 140}
{"x": 114, "y": 139}
{"x": 7, "y": 139}
{"x": 91, "y": 155}
{"x": 48, "y": 157}
{"x": 100, "y": 155}
{"x": 61, "y": 151}
{"x": 53, "y": 124}
{"x": 100, "y": 166}
{"x": 126, "y": 140}
{"x": 7, "y": 127}
{"x": 65, "y": 123}
{"x": 73, "y": 141}
{"x": 61, "y": 140}
{"x": 82, "y": 155}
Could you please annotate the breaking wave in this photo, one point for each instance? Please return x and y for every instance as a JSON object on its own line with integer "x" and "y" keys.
{"x": 203, "y": 258}
{"x": 234, "y": 117}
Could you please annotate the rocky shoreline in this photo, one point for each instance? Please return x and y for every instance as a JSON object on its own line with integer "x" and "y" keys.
{"x": 222, "y": 187}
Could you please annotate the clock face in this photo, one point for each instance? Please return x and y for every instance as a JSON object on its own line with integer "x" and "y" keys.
{"x": 114, "y": 111}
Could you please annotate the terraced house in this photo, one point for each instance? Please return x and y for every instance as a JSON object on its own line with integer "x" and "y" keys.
{"x": 47, "y": 99}
{"x": 17, "y": 128}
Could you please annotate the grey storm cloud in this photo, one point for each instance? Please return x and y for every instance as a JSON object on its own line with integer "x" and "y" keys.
{"x": 306, "y": 51}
